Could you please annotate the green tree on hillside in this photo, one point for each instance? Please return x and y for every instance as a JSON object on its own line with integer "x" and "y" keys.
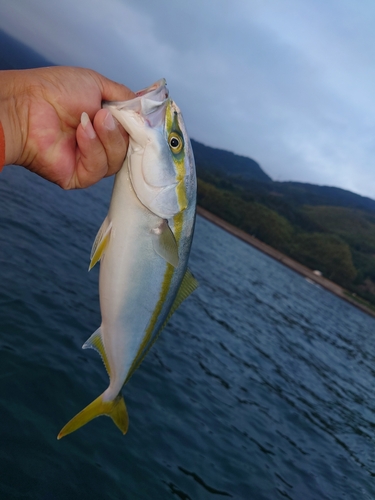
{"x": 324, "y": 228}
{"x": 325, "y": 252}
{"x": 252, "y": 217}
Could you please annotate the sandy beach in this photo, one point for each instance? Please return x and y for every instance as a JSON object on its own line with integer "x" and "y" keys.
{"x": 287, "y": 261}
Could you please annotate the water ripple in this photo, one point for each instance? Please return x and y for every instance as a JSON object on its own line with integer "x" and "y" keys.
{"x": 261, "y": 386}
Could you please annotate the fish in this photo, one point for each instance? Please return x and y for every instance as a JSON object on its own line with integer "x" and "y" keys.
{"x": 143, "y": 244}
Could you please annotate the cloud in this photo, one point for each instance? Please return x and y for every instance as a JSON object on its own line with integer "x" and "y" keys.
{"x": 288, "y": 83}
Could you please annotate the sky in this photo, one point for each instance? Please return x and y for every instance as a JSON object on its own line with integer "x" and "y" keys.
{"x": 289, "y": 83}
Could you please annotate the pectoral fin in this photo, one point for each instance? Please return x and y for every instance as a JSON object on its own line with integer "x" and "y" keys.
{"x": 165, "y": 243}
{"x": 100, "y": 243}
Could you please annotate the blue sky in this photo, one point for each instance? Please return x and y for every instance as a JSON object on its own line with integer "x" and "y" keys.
{"x": 289, "y": 83}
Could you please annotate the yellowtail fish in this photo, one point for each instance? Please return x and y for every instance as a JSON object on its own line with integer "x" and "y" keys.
{"x": 143, "y": 244}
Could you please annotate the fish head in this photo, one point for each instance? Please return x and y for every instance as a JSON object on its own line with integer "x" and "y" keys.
{"x": 159, "y": 159}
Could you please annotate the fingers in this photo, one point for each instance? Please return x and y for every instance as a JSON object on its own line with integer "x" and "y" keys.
{"x": 114, "y": 139}
{"x": 113, "y": 91}
{"x": 102, "y": 149}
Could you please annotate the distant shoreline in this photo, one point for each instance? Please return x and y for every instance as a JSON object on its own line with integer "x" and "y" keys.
{"x": 283, "y": 259}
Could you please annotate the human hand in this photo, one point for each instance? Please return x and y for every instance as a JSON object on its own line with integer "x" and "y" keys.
{"x": 41, "y": 110}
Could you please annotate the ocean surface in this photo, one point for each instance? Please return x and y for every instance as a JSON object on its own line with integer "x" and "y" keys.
{"x": 261, "y": 386}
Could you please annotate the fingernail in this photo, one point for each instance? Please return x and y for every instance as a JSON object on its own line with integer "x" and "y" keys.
{"x": 87, "y": 125}
{"x": 109, "y": 122}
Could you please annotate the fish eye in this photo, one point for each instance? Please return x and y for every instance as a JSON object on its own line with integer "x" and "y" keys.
{"x": 175, "y": 142}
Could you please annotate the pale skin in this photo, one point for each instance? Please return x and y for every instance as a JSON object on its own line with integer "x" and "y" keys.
{"x": 40, "y": 111}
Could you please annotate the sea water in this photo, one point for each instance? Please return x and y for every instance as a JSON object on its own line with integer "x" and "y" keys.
{"x": 260, "y": 387}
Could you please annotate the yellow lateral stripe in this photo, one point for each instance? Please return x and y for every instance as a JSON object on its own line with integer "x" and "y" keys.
{"x": 168, "y": 116}
{"x": 164, "y": 291}
{"x": 181, "y": 195}
{"x": 188, "y": 285}
{"x": 168, "y": 275}
{"x": 171, "y": 124}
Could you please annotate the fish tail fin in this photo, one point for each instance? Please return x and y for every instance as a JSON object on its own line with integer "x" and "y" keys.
{"x": 115, "y": 409}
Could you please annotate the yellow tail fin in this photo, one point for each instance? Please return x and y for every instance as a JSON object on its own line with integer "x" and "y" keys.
{"x": 115, "y": 409}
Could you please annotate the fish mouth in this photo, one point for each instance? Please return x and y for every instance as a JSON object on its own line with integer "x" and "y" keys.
{"x": 150, "y": 103}
{"x": 155, "y": 87}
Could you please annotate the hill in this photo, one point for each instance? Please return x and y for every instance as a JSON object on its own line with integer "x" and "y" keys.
{"x": 16, "y": 55}
{"x": 224, "y": 163}
{"x": 234, "y": 172}
{"x": 299, "y": 193}
{"x": 322, "y": 227}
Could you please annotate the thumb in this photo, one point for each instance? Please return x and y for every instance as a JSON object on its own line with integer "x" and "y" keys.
{"x": 113, "y": 91}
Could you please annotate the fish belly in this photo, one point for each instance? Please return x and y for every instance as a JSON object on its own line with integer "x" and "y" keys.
{"x": 131, "y": 276}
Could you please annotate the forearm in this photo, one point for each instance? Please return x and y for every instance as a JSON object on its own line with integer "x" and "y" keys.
{"x": 12, "y": 115}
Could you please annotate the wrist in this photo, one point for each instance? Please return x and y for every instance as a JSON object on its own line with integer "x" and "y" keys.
{"x": 11, "y": 114}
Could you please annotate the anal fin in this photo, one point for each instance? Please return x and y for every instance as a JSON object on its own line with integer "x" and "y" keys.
{"x": 96, "y": 342}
